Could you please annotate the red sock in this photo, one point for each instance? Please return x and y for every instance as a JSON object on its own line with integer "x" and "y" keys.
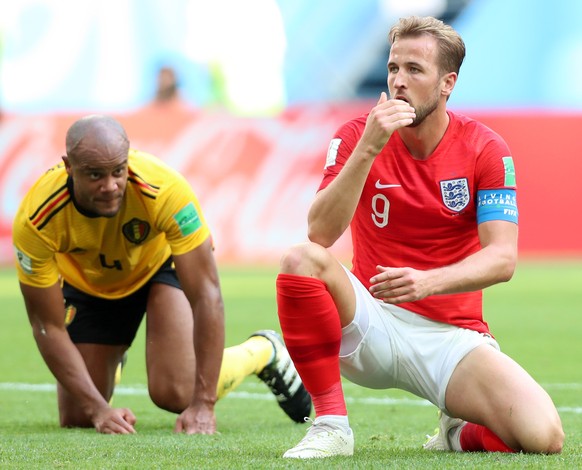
{"x": 477, "y": 438}
{"x": 312, "y": 332}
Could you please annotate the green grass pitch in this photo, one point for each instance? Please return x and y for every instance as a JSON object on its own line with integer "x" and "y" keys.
{"x": 537, "y": 318}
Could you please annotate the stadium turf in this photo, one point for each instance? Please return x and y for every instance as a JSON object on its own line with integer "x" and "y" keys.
{"x": 537, "y": 318}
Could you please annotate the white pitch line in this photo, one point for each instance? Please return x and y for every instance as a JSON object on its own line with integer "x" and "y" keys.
{"x": 562, "y": 386}
{"x": 140, "y": 390}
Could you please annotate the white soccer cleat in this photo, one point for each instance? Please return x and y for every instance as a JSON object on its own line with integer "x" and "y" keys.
{"x": 322, "y": 440}
{"x": 441, "y": 440}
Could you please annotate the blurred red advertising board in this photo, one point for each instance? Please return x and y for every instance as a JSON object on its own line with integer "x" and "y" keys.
{"x": 256, "y": 177}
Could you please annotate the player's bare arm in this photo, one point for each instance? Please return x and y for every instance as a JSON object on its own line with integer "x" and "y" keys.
{"x": 199, "y": 279}
{"x": 334, "y": 206}
{"x": 46, "y": 315}
{"x": 494, "y": 263}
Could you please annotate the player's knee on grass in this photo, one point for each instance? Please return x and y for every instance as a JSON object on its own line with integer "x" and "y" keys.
{"x": 170, "y": 396}
{"x": 74, "y": 420}
{"x": 548, "y": 439}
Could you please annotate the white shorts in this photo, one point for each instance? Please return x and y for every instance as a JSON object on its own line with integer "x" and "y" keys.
{"x": 387, "y": 346}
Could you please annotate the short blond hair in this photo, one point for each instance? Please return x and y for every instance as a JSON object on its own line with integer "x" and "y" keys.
{"x": 450, "y": 44}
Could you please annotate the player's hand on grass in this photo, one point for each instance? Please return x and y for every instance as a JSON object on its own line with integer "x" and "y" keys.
{"x": 197, "y": 419}
{"x": 115, "y": 421}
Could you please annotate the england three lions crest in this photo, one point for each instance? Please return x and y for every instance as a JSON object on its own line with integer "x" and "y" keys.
{"x": 455, "y": 194}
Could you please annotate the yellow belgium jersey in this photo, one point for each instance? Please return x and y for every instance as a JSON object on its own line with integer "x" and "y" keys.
{"x": 107, "y": 257}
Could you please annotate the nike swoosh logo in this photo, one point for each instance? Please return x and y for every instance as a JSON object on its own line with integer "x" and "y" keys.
{"x": 383, "y": 186}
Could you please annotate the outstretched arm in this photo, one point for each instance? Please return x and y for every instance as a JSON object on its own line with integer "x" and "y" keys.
{"x": 47, "y": 318}
{"x": 199, "y": 279}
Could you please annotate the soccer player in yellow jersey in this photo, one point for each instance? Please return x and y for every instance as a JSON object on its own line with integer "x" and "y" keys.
{"x": 110, "y": 234}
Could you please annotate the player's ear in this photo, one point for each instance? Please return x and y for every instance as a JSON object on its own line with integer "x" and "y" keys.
{"x": 67, "y": 163}
{"x": 449, "y": 81}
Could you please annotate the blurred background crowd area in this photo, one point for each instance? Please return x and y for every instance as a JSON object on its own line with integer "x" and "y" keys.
{"x": 242, "y": 97}
{"x": 256, "y": 57}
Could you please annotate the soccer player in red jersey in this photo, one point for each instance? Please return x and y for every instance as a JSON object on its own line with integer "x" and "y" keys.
{"x": 430, "y": 198}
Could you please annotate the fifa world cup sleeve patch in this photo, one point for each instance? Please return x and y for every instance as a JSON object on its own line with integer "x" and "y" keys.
{"x": 509, "y": 171}
{"x": 188, "y": 219}
{"x": 24, "y": 261}
{"x": 331, "y": 156}
{"x": 496, "y": 204}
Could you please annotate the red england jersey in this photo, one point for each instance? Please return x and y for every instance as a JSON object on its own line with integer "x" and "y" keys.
{"x": 423, "y": 213}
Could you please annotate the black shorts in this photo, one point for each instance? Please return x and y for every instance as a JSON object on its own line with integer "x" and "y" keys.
{"x": 115, "y": 322}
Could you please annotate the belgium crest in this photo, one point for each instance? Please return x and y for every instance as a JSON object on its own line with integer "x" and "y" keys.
{"x": 136, "y": 231}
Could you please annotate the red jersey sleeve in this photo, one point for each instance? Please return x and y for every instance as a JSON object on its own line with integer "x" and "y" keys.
{"x": 494, "y": 165}
{"x": 340, "y": 148}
